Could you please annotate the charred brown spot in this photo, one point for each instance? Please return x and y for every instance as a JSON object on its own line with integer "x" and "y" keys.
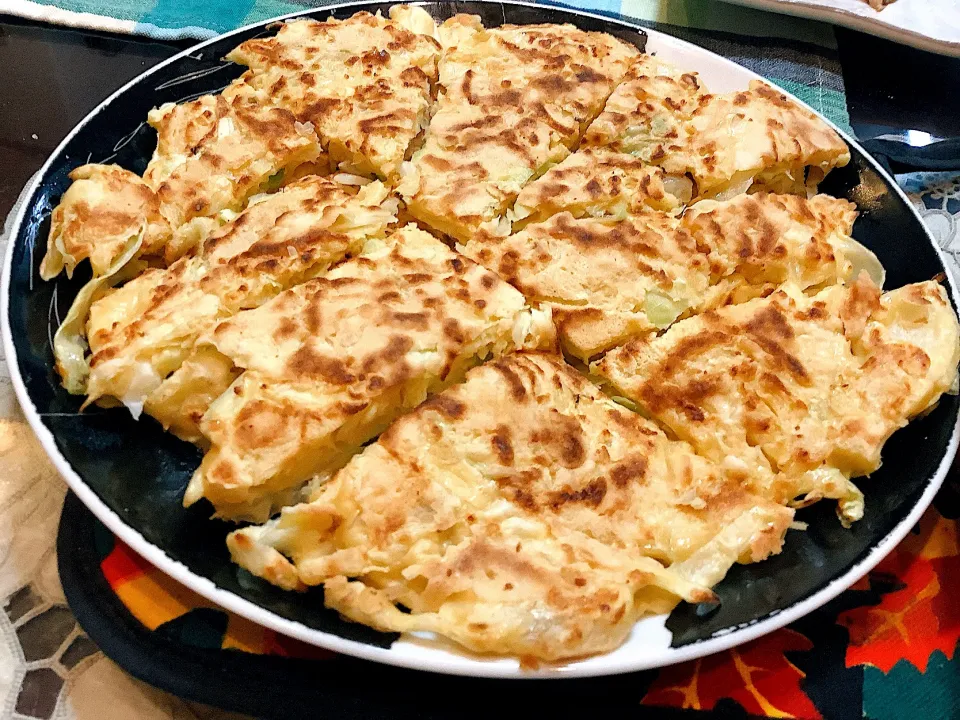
{"x": 417, "y": 278}
{"x": 305, "y": 362}
{"x": 447, "y": 406}
{"x": 312, "y": 316}
{"x": 351, "y": 408}
{"x": 765, "y": 329}
{"x": 437, "y": 163}
{"x": 572, "y": 453}
{"x": 628, "y": 471}
{"x": 416, "y": 320}
{"x": 517, "y": 389}
{"x": 502, "y": 446}
{"x": 286, "y": 328}
{"x": 591, "y": 495}
{"x": 509, "y": 262}
{"x": 689, "y": 347}
{"x": 261, "y": 424}
{"x": 396, "y": 348}
{"x": 453, "y": 330}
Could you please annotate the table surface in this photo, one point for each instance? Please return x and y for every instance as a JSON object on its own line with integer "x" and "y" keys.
{"x": 50, "y": 77}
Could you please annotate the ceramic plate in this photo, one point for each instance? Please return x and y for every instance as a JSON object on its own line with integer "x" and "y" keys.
{"x": 932, "y": 25}
{"x": 132, "y": 474}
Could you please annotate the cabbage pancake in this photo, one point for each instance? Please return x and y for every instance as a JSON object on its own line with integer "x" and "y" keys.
{"x": 214, "y": 152}
{"x": 512, "y": 101}
{"x": 141, "y": 332}
{"x": 608, "y": 280}
{"x": 103, "y": 210}
{"x": 601, "y": 183}
{"x": 810, "y": 387}
{"x": 519, "y": 513}
{"x": 328, "y": 364}
{"x": 755, "y": 138}
{"x": 706, "y": 145}
{"x": 364, "y": 83}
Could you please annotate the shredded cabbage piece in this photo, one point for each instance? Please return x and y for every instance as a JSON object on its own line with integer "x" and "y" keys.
{"x": 274, "y": 182}
{"x": 738, "y": 185}
{"x": 70, "y": 344}
{"x": 860, "y": 258}
{"x": 827, "y": 482}
{"x": 661, "y": 309}
{"x": 709, "y": 564}
{"x": 680, "y": 186}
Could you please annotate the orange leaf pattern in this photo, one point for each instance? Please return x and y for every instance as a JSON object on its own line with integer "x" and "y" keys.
{"x": 155, "y": 599}
{"x": 757, "y": 675}
{"x": 915, "y": 612}
{"x": 921, "y": 614}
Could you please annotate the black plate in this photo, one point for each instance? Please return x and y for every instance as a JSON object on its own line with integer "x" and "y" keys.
{"x": 139, "y": 472}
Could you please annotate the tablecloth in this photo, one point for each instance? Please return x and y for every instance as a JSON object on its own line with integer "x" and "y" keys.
{"x": 48, "y": 667}
{"x": 799, "y": 55}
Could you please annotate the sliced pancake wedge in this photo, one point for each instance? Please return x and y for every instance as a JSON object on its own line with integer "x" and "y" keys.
{"x": 142, "y": 332}
{"x": 663, "y": 140}
{"x": 520, "y": 513}
{"x": 215, "y": 152}
{"x": 600, "y": 183}
{"x": 328, "y": 364}
{"x": 809, "y": 387}
{"x": 102, "y": 210}
{"x": 513, "y": 100}
{"x": 726, "y": 143}
{"x": 364, "y": 83}
{"x": 212, "y": 155}
{"x": 608, "y": 280}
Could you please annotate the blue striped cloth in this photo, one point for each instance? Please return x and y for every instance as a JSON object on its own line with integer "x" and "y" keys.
{"x": 799, "y": 55}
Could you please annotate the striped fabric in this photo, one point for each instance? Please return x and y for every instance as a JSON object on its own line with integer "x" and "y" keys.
{"x": 799, "y": 55}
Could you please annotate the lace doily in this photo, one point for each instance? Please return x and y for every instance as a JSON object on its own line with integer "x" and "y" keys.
{"x": 48, "y": 667}
{"x": 937, "y": 197}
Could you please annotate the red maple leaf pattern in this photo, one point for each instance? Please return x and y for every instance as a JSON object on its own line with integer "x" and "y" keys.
{"x": 757, "y": 675}
{"x": 921, "y": 614}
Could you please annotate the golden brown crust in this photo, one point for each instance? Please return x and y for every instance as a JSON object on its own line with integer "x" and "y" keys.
{"x": 329, "y": 363}
{"x": 512, "y": 100}
{"x": 608, "y": 280}
{"x": 102, "y": 209}
{"x": 141, "y": 333}
{"x": 724, "y": 143}
{"x": 363, "y": 83}
{"x": 810, "y": 387}
{"x": 598, "y": 182}
{"x": 214, "y": 152}
{"x": 520, "y": 512}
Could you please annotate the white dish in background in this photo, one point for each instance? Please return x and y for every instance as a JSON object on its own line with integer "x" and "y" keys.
{"x": 932, "y": 25}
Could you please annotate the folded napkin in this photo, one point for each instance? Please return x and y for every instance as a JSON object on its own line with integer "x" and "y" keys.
{"x": 799, "y": 55}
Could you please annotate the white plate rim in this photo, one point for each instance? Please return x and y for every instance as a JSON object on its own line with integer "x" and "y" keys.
{"x": 440, "y": 662}
{"x": 872, "y": 26}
